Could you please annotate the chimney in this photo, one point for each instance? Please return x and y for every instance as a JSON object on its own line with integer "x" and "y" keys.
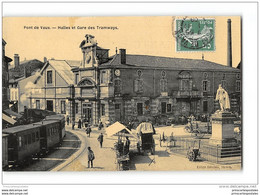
{"x": 44, "y": 59}
{"x": 16, "y": 60}
{"x": 123, "y": 56}
{"x": 229, "y": 43}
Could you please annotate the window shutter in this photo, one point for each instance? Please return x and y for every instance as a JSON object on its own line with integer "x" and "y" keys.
{"x": 208, "y": 82}
{"x": 141, "y": 86}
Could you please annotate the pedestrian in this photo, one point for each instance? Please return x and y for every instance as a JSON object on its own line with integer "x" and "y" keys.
{"x": 127, "y": 145}
{"x": 100, "y": 126}
{"x": 100, "y": 139}
{"x": 73, "y": 125}
{"x": 79, "y": 124}
{"x": 91, "y": 157}
{"x": 89, "y": 130}
{"x": 68, "y": 120}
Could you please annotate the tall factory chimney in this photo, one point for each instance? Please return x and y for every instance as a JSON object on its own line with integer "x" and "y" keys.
{"x": 229, "y": 43}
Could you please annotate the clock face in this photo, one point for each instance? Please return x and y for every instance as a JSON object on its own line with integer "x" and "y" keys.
{"x": 117, "y": 72}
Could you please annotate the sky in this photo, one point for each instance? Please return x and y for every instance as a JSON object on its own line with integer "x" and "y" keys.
{"x": 153, "y": 35}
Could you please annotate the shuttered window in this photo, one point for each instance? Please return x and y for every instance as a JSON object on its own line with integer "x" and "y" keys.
{"x": 138, "y": 86}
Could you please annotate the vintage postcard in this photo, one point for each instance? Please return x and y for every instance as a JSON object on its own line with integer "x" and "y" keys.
{"x": 157, "y": 93}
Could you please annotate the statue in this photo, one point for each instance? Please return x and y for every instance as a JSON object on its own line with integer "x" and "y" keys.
{"x": 222, "y": 97}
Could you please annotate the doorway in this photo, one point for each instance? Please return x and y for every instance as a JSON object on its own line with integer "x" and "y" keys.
{"x": 118, "y": 112}
{"x": 50, "y": 105}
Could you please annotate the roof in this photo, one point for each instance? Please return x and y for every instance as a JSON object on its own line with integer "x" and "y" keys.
{"x": 31, "y": 66}
{"x": 64, "y": 69}
{"x": 145, "y": 128}
{"x": 12, "y": 113}
{"x": 133, "y": 61}
{"x": 19, "y": 128}
{"x": 74, "y": 63}
{"x": 116, "y": 128}
{"x": 8, "y": 119}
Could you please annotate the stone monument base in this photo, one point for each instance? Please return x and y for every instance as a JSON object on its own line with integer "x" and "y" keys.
{"x": 222, "y": 142}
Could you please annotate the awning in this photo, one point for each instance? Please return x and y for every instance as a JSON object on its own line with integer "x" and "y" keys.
{"x": 8, "y": 119}
{"x": 118, "y": 127}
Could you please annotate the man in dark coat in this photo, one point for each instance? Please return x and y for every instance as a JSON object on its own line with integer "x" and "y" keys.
{"x": 79, "y": 124}
{"x": 91, "y": 157}
{"x": 100, "y": 139}
{"x": 88, "y": 130}
{"x": 68, "y": 120}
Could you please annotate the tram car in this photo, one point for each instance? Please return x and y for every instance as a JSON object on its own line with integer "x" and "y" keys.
{"x": 61, "y": 120}
{"x": 32, "y": 140}
{"x": 23, "y": 143}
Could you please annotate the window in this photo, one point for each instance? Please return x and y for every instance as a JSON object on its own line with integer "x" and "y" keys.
{"x": 50, "y": 105}
{"x": 163, "y": 106}
{"x": 16, "y": 95}
{"x": 139, "y": 109}
{"x": 37, "y": 104}
{"x": 238, "y": 86}
{"x": 102, "y": 109}
{"x": 138, "y": 86}
{"x": 205, "y": 106}
{"x": 49, "y": 77}
{"x": 186, "y": 84}
{"x": 103, "y": 77}
{"x": 76, "y": 108}
{"x": 163, "y": 85}
{"x": 205, "y": 85}
{"x": 33, "y": 137}
{"x": 63, "y": 107}
{"x": 20, "y": 141}
{"x": 76, "y": 78}
{"x": 29, "y": 139}
{"x": 169, "y": 107}
{"x": 117, "y": 86}
{"x": 37, "y": 136}
{"x": 117, "y": 106}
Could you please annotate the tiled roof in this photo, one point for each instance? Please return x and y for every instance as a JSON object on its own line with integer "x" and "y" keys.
{"x": 64, "y": 69}
{"x": 31, "y": 66}
{"x": 166, "y": 62}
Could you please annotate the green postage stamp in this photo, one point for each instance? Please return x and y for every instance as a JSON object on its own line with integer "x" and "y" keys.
{"x": 194, "y": 34}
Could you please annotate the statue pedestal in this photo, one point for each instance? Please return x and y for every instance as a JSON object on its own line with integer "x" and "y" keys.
{"x": 223, "y": 130}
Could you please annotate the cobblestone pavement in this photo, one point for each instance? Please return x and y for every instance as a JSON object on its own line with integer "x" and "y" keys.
{"x": 104, "y": 157}
{"x": 163, "y": 160}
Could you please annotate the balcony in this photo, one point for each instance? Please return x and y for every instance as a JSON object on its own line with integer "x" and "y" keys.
{"x": 187, "y": 94}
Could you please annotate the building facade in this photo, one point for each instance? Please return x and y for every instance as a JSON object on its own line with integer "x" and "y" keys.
{"x": 126, "y": 87}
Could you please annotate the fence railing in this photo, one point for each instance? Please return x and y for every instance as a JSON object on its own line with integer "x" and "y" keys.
{"x": 215, "y": 154}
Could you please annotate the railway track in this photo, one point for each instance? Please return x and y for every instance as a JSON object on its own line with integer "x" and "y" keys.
{"x": 76, "y": 155}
